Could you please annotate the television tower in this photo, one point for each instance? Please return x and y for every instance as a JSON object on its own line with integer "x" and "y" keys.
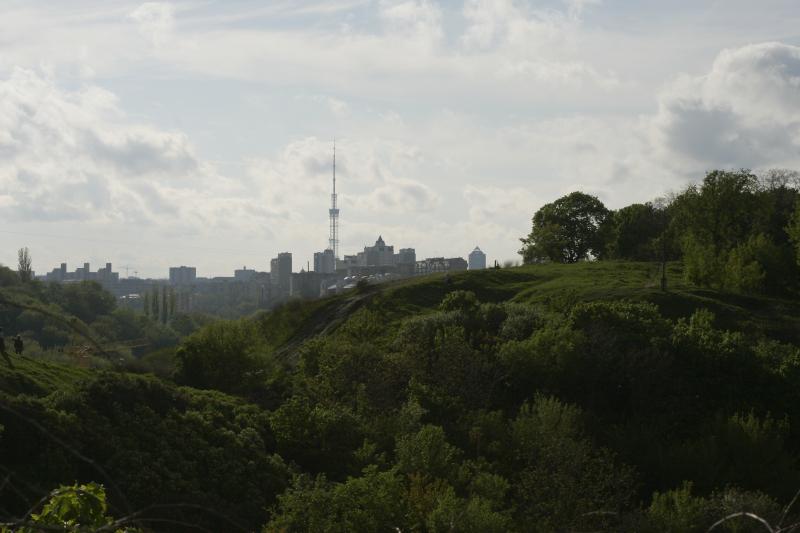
{"x": 333, "y": 239}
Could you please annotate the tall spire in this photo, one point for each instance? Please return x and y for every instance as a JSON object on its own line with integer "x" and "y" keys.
{"x": 333, "y": 238}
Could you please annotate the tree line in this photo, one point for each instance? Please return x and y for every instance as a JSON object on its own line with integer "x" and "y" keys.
{"x": 735, "y": 231}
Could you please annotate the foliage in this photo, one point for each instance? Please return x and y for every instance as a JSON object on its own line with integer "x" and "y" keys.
{"x": 541, "y": 398}
{"x": 734, "y": 231}
{"x": 754, "y": 266}
{"x": 75, "y": 508}
{"x": 156, "y": 443}
{"x": 372, "y": 502}
{"x": 229, "y": 356}
{"x": 86, "y": 300}
{"x": 566, "y": 231}
{"x": 681, "y": 511}
{"x": 562, "y": 481}
{"x": 24, "y": 265}
{"x": 793, "y": 231}
{"x": 634, "y": 232}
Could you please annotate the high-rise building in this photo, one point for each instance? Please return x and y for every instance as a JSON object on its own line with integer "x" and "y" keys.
{"x": 325, "y": 262}
{"x": 182, "y": 275}
{"x": 348, "y": 262}
{"x": 244, "y": 274}
{"x": 405, "y": 261}
{"x": 280, "y": 275}
{"x": 107, "y": 274}
{"x": 378, "y": 255}
{"x": 406, "y": 256}
{"x": 477, "y": 259}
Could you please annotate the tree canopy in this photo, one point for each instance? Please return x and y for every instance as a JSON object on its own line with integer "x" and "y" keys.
{"x": 735, "y": 231}
{"x": 566, "y": 230}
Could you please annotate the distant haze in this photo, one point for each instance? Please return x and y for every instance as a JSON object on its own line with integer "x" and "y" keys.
{"x": 199, "y": 133}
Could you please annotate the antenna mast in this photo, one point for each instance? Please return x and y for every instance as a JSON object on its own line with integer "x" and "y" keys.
{"x": 333, "y": 238}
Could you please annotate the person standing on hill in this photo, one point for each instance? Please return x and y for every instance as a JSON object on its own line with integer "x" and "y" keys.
{"x": 3, "y": 351}
{"x": 19, "y": 346}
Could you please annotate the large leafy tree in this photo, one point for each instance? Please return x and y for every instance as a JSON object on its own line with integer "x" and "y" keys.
{"x": 718, "y": 214}
{"x": 734, "y": 231}
{"x": 635, "y": 232}
{"x": 567, "y": 230}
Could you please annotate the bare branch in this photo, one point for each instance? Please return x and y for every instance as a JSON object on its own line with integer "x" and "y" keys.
{"x": 743, "y": 514}
{"x": 788, "y": 508}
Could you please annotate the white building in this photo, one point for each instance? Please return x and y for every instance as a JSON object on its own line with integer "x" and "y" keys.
{"x": 477, "y": 259}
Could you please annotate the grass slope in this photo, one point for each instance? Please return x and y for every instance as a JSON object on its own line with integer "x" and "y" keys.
{"x": 555, "y": 286}
{"x": 552, "y": 285}
{"x": 38, "y": 378}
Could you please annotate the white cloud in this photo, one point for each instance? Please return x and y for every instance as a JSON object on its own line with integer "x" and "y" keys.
{"x": 418, "y": 20}
{"x": 401, "y": 196}
{"x": 456, "y": 120}
{"x": 505, "y": 206}
{"x": 75, "y": 156}
{"x": 155, "y": 20}
{"x": 575, "y": 8}
{"x": 745, "y": 112}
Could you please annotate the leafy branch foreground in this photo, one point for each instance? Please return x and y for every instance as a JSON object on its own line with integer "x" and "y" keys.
{"x": 83, "y": 509}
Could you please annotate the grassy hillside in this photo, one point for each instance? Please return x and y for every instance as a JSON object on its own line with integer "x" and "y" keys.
{"x": 39, "y": 378}
{"x": 552, "y": 286}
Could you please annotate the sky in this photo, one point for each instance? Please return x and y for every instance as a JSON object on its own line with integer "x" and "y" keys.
{"x": 200, "y": 133}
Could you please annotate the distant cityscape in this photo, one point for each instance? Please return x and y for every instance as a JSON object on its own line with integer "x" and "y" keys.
{"x": 375, "y": 264}
{"x": 331, "y": 274}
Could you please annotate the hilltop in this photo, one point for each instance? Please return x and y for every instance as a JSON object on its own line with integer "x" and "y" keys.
{"x": 552, "y": 286}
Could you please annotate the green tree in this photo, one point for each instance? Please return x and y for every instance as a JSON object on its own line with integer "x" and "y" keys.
{"x": 146, "y": 304}
{"x": 372, "y": 502}
{"x": 566, "y": 231}
{"x": 155, "y": 308}
{"x": 164, "y": 305}
{"x": 793, "y": 230}
{"x": 229, "y": 356}
{"x": 634, "y": 230}
{"x": 86, "y": 300}
{"x": 8, "y": 277}
{"x": 562, "y": 481}
{"x": 754, "y": 266}
{"x": 24, "y": 265}
{"x": 720, "y": 212}
{"x": 72, "y": 509}
{"x": 427, "y": 452}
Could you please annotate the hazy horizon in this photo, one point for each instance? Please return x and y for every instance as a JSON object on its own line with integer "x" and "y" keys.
{"x": 196, "y": 133}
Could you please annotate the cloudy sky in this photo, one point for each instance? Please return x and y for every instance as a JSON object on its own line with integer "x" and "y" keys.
{"x": 199, "y": 132}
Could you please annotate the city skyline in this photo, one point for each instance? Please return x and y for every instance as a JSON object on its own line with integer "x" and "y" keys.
{"x": 154, "y": 134}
